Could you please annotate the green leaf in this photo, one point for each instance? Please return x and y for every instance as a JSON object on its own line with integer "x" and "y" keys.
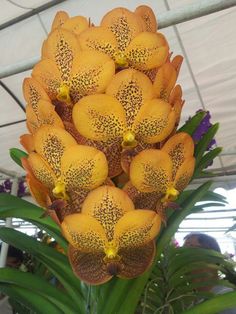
{"x": 30, "y": 299}
{"x": 12, "y": 206}
{"x": 202, "y": 145}
{"x": 16, "y": 154}
{"x": 38, "y": 285}
{"x": 56, "y": 262}
{"x": 191, "y": 125}
{"x": 206, "y": 160}
{"x": 215, "y": 305}
{"x": 231, "y": 228}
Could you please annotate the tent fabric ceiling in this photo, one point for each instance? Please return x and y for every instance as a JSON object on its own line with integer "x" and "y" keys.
{"x": 209, "y": 44}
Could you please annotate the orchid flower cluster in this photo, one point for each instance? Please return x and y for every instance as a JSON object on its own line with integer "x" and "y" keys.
{"x": 105, "y": 159}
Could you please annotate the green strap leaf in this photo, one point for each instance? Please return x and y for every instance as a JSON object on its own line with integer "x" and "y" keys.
{"x": 206, "y": 160}
{"x": 191, "y": 125}
{"x": 202, "y": 145}
{"x": 56, "y": 262}
{"x": 38, "y": 285}
{"x": 30, "y": 299}
{"x": 12, "y": 206}
{"x": 16, "y": 154}
{"x": 215, "y": 305}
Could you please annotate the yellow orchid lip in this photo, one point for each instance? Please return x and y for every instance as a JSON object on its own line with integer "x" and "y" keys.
{"x": 111, "y": 251}
{"x": 121, "y": 60}
{"x": 64, "y": 93}
{"x": 129, "y": 140}
{"x": 60, "y": 190}
{"x": 171, "y": 195}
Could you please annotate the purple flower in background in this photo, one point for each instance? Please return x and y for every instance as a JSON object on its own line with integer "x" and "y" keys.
{"x": 8, "y": 184}
{"x": 6, "y": 187}
{"x": 202, "y": 129}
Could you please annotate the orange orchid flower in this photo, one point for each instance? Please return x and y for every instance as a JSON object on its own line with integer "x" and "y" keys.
{"x": 130, "y": 39}
{"x": 109, "y": 237}
{"x": 67, "y": 73}
{"x": 127, "y": 113}
{"x": 160, "y": 175}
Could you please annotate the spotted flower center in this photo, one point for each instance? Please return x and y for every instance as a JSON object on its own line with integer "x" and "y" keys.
{"x": 60, "y": 191}
{"x": 111, "y": 251}
{"x": 171, "y": 195}
{"x": 63, "y": 93}
{"x": 129, "y": 140}
{"x": 121, "y": 60}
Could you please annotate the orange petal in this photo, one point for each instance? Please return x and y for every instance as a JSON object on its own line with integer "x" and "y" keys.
{"x": 142, "y": 200}
{"x": 60, "y": 18}
{"x": 48, "y": 75}
{"x": 76, "y": 24}
{"x": 61, "y": 47}
{"x": 98, "y": 39}
{"x": 33, "y": 91}
{"x": 89, "y": 267}
{"x": 177, "y": 62}
{"x": 154, "y": 122}
{"x": 150, "y": 171}
{"x": 175, "y": 95}
{"x": 179, "y": 147}
{"x": 148, "y": 17}
{"x": 42, "y": 170}
{"x": 83, "y": 167}
{"x": 99, "y": 117}
{"x": 38, "y": 191}
{"x": 42, "y": 114}
{"x": 51, "y": 143}
{"x": 91, "y": 73}
{"x": 184, "y": 174}
{"x": 27, "y": 142}
{"x": 107, "y": 204}
{"x": 147, "y": 51}
{"x": 132, "y": 88}
{"x": 124, "y": 24}
{"x": 136, "y": 261}
{"x": 84, "y": 232}
{"x": 136, "y": 228}
{"x": 165, "y": 81}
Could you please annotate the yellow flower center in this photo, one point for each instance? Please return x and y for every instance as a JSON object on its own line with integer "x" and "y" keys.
{"x": 121, "y": 60}
{"x": 111, "y": 251}
{"x": 129, "y": 140}
{"x": 60, "y": 191}
{"x": 63, "y": 93}
{"x": 171, "y": 195}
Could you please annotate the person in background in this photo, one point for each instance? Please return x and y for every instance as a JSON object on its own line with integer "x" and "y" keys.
{"x": 205, "y": 241}
{"x": 14, "y": 260}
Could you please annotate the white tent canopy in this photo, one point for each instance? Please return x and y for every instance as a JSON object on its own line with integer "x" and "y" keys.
{"x": 208, "y": 74}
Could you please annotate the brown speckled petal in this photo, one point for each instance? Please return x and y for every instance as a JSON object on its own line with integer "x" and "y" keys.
{"x": 150, "y": 171}
{"x": 184, "y": 174}
{"x": 107, "y": 204}
{"x": 124, "y": 24}
{"x": 142, "y": 200}
{"x": 132, "y": 88}
{"x": 91, "y": 73}
{"x": 179, "y": 147}
{"x": 48, "y": 75}
{"x": 99, "y": 39}
{"x": 50, "y": 143}
{"x": 154, "y": 122}
{"x": 148, "y": 17}
{"x": 61, "y": 47}
{"x": 135, "y": 261}
{"x": 83, "y": 167}
{"x": 89, "y": 267}
{"x": 147, "y": 51}
{"x": 33, "y": 91}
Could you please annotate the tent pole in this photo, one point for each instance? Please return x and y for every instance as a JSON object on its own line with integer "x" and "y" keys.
{"x": 165, "y": 19}
{"x": 8, "y": 223}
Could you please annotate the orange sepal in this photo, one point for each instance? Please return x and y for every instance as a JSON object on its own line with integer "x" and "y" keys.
{"x": 148, "y": 17}
{"x": 27, "y": 141}
{"x": 60, "y": 18}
